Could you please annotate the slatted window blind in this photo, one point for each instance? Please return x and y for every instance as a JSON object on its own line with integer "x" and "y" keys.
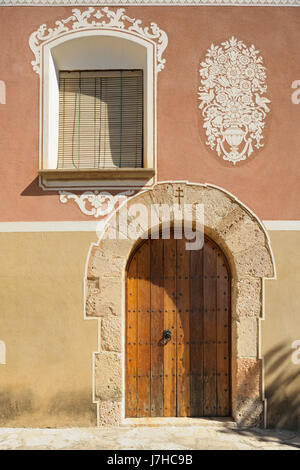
{"x": 100, "y": 119}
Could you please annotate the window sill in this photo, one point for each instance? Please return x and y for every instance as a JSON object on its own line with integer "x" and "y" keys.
{"x": 143, "y": 174}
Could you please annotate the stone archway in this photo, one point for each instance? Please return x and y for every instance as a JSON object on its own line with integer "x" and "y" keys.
{"x": 245, "y": 243}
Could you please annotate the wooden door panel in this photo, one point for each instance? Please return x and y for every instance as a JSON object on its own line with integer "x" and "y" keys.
{"x": 130, "y": 341}
{"x": 169, "y": 350}
{"x": 188, "y": 293}
{"x": 196, "y": 333}
{"x": 223, "y": 342}
{"x": 143, "y": 331}
{"x": 183, "y": 329}
{"x": 157, "y": 326}
{"x": 210, "y": 328}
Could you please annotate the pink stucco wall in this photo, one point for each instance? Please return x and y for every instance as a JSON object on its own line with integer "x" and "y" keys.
{"x": 268, "y": 182}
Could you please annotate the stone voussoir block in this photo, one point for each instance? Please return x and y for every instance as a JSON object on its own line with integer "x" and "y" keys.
{"x": 194, "y": 194}
{"x": 244, "y": 235}
{"x": 108, "y": 376}
{"x": 111, "y": 331}
{"x": 163, "y": 194}
{"x": 254, "y": 262}
{"x": 106, "y": 263}
{"x": 216, "y": 206}
{"x": 230, "y": 222}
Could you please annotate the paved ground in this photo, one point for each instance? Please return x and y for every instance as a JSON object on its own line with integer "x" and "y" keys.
{"x": 206, "y": 434}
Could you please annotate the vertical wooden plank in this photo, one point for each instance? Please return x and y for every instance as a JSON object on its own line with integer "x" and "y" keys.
{"x": 210, "y": 329}
{"x": 143, "y": 331}
{"x": 196, "y": 332}
{"x": 223, "y": 337}
{"x": 183, "y": 329}
{"x": 170, "y": 324}
{"x": 157, "y": 326}
{"x": 131, "y": 340}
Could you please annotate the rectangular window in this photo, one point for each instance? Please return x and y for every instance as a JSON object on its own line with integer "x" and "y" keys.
{"x": 100, "y": 119}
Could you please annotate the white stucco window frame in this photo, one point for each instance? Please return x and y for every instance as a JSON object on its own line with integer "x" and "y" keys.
{"x": 45, "y": 43}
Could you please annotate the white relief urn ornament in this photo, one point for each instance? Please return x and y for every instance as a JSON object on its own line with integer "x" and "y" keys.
{"x": 232, "y": 101}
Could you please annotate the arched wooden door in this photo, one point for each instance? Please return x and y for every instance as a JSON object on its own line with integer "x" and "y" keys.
{"x": 187, "y": 293}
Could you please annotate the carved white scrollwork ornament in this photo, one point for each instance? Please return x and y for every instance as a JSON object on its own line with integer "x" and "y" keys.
{"x": 102, "y": 18}
{"x": 232, "y": 101}
{"x": 95, "y": 203}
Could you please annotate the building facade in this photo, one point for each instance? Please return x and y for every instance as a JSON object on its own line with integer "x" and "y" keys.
{"x": 116, "y": 121}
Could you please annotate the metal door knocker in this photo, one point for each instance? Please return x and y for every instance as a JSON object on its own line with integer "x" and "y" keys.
{"x": 166, "y": 336}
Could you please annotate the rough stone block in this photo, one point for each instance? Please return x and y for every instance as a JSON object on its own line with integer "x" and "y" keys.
{"x": 108, "y": 376}
{"x": 249, "y": 412}
{"x": 111, "y": 331}
{"x": 163, "y": 194}
{"x": 104, "y": 262}
{"x": 217, "y": 206}
{"x": 244, "y": 235}
{"x": 245, "y": 330}
{"x": 110, "y": 413}
{"x": 231, "y": 221}
{"x": 247, "y": 378}
{"x": 194, "y": 194}
{"x": 107, "y": 299}
{"x": 247, "y": 297}
{"x": 254, "y": 262}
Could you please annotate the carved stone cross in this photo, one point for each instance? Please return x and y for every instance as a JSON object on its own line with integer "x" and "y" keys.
{"x": 179, "y": 194}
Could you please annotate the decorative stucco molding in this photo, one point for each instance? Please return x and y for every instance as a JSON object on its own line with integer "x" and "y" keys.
{"x": 95, "y": 203}
{"x": 265, "y": 3}
{"x": 232, "y": 101}
{"x": 104, "y": 18}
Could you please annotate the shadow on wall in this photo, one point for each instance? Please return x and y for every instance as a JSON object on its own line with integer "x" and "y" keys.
{"x": 282, "y": 385}
{"x": 283, "y": 400}
{"x": 65, "y": 409}
{"x": 282, "y": 388}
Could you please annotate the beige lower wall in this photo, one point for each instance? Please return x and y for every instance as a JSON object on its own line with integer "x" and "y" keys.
{"x": 280, "y": 329}
{"x": 47, "y": 380}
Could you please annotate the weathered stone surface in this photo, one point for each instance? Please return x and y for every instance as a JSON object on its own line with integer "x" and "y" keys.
{"x": 110, "y": 413}
{"x": 108, "y": 376}
{"x": 247, "y": 298}
{"x": 255, "y": 262}
{"x": 245, "y": 333}
{"x": 139, "y": 218}
{"x": 216, "y": 206}
{"x": 107, "y": 299}
{"x": 249, "y": 412}
{"x": 163, "y": 194}
{"x": 230, "y": 221}
{"x": 248, "y": 378}
{"x": 111, "y": 330}
{"x": 92, "y": 290}
{"x": 110, "y": 257}
{"x": 244, "y": 235}
{"x": 105, "y": 262}
{"x": 194, "y": 194}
